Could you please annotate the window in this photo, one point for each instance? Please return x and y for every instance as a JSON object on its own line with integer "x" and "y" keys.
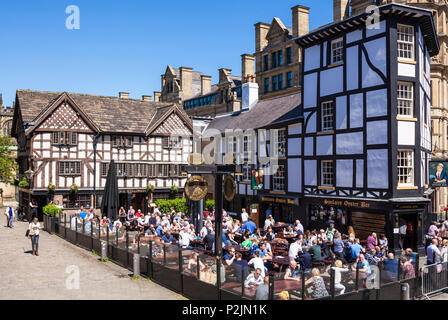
{"x": 266, "y": 85}
{"x": 122, "y": 142}
{"x": 246, "y": 173}
{"x": 65, "y": 138}
{"x": 280, "y": 58}
{"x": 274, "y": 83}
{"x": 288, "y": 56}
{"x": 337, "y": 53}
{"x": 280, "y": 81}
{"x": 151, "y": 171}
{"x": 164, "y": 170}
{"x": 121, "y": 170}
{"x": 274, "y": 60}
{"x": 172, "y": 142}
{"x": 76, "y": 201}
{"x": 281, "y": 143}
{"x": 266, "y": 62}
{"x": 278, "y": 180}
{"x": 104, "y": 169}
{"x": 327, "y": 174}
{"x": 405, "y": 42}
{"x": 69, "y": 168}
{"x": 327, "y": 116}
{"x": 405, "y": 167}
{"x": 174, "y": 170}
{"x": 405, "y": 99}
{"x": 289, "y": 80}
{"x": 245, "y": 144}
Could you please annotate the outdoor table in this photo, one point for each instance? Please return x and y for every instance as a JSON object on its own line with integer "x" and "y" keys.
{"x": 244, "y": 251}
{"x": 281, "y": 261}
{"x": 197, "y": 243}
{"x": 279, "y": 286}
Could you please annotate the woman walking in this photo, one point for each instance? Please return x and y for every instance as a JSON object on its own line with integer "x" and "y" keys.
{"x": 34, "y": 229}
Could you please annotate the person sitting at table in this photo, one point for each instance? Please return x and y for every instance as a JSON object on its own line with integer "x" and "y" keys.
{"x": 193, "y": 263}
{"x": 383, "y": 243}
{"x": 338, "y": 246}
{"x": 305, "y": 260}
{"x": 229, "y": 256}
{"x": 292, "y": 272}
{"x": 209, "y": 241}
{"x": 364, "y": 267}
{"x": 319, "y": 290}
{"x": 168, "y": 237}
{"x": 298, "y": 227}
{"x": 185, "y": 238}
{"x": 249, "y": 242}
{"x": 269, "y": 222}
{"x": 257, "y": 262}
{"x": 254, "y": 247}
{"x": 379, "y": 255}
{"x": 270, "y": 235}
{"x": 294, "y": 249}
{"x": 326, "y": 251}
{"x": 240, "y": 267}
{"x": 151, "y": 231}
{"x": 316, "y": 252}
{"x": 262, "y": 292}
{"x": 370, "y": 256}
{"x": 249, "y": 226}
{"x": 390, "y": 266}
{"x": 356, "y": 249}
{"x": 330, "y": 232}
{"x": 254, "y": 279}
{"x": 322, "y": 235}
{"x": 288, "y": 231}
{"x": 372, "y": 241}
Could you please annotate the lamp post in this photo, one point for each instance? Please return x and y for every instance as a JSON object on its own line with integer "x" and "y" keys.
{"x": 29, "y": 174}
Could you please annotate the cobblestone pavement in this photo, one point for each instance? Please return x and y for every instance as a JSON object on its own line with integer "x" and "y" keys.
{"x": 25, "y": 276}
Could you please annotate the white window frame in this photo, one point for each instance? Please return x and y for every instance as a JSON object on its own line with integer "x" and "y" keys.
{"x": 406, "y": 42}
{"x": 328, "y": 113}
{"x": 327, "y": 173}
{"x": 405, "y": 96}
{"x": 406, "y": 168}
{"x": 278, "y": 179}
{"x": 337, "y": 51}
{"x": 281, "y": 141}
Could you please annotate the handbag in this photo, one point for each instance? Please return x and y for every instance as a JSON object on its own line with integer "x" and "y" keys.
{"x": 27, "y": 233}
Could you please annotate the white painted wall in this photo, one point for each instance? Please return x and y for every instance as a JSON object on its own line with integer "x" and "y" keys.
{"x": 406, "y": 133}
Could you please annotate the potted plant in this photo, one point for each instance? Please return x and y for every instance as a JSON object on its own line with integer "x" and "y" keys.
{"x": 51, "y": 188}
{"x": 74, "y": 188}
{"x": 51, "y": 217}
{"x": 24, "y": 183}
{"x": 174, "y": 190}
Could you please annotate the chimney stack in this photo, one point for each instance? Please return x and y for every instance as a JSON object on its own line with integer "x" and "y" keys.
{"x": 300, "y": 21}
{"x": 186, "y": 82}
{"x": 340, "y": 10}
{"x": 147, "y": 98}
{"x": 206, "y": 84}
{"x": 124, "y": 95}
{"x": 157, "y": 96}
{"x": 250, "y": 94}
{"x": 247, "y": 66}
{"x": 261, "y": 31}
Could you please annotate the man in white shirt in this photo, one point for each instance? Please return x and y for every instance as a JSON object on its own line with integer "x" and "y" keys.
{"x": 244, "y": 216}
{"x": 254, "y": 279}
{"x": 298, "y": 226}
{"x": 204, "y": 230}
{"x": 294, "y": 249}
{"x": 269, "y": 222}
{"x": 185, "y": 238}
{"x": 257, "y": 263}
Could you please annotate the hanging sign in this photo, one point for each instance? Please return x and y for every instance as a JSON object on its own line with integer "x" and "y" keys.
{"x": 196, "y": 188}
{"x": 229, "y": 188}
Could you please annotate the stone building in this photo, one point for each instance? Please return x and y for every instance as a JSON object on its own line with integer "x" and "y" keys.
{"x": 277, "y": 57}
{"x": 439, "y": 76}
{"x": 195, "y": 92}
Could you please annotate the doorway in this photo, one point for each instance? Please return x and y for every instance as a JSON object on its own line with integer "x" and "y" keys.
{"x": 410, "y": 240}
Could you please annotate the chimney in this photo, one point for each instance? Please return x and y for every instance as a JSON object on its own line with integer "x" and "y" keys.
{"x": 300, "y": 21}
{"x": 261, "y": 31}
{"x": 206, "y": 84}
{"x": 124, "y": 95}
{"x": 247, "y": 66}
{"x": 250, "y": 94}
{"x": 340, "y": 10}
{"x": 147, "y": 98}
{"x": 224, "y": 75}
{"x": 186, "y": 82}
{"x": 157, "y": 96}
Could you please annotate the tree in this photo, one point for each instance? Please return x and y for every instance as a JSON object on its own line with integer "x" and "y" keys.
{"x": 8, "y": 165}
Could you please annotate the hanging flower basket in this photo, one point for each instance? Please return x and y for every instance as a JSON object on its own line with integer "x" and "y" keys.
{"x": 51, "y": 188}
{"x": 149, "y": 188}
{"x": 174, "y": 189}
{"x": 74, "y": 188}
{"x": 24, "y": 183}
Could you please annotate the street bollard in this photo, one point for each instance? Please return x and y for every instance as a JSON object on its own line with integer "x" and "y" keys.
{"x": 103, "y": 250}
{"x": 136, "y": 265}
{"x": 405, "y": 292}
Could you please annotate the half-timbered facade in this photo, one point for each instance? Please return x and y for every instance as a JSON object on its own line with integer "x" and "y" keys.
{"x": 69, "y": 139}
{"x": 367, "y": 131}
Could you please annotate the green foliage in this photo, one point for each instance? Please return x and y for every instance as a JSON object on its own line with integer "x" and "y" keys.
{"x": 8, "y": 165}
{"x": 51, "y": 210}
{"x": 149, "y": 188}
{"x": 135, "y": 277}
{"x": 94, "y": 253}
{"x": 180, "y": 205}
{"x": 209, "y": 204}
{"x": 105, "y": 260}
{"x": 24, "y": 183}
{"x": 174, "y": 189}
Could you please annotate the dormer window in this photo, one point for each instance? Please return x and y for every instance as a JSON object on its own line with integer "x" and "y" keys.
{"x": 337, "y": 53}
{"x": 122, "y": 142}
{"x": 65, "y": 138}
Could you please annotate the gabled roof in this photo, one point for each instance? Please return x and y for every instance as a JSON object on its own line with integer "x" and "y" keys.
{"x": 105, "y": 114}
{"x": 263, "y": 114}
{"x": 397, "y": 10}
{"x": 276, "y": 25}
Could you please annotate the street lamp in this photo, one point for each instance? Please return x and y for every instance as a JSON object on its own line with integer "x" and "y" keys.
{"x": 29, "y": 174}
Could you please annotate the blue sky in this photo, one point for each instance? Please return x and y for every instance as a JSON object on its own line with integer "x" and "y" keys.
{"x": 126, "y": 45}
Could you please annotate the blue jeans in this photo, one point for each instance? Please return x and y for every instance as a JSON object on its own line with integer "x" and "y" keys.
{"x": 35, "y": 243}
{"x": 10, "y": 220}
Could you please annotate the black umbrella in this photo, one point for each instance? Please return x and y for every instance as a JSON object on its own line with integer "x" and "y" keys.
{"x": 110, "y": 203}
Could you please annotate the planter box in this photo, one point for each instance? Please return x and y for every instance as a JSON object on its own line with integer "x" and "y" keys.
{"x": 51, "y": 224}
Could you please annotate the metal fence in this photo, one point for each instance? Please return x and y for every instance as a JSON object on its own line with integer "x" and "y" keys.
{"x": 434, "y": 278}
{"x": 200, "y": 276}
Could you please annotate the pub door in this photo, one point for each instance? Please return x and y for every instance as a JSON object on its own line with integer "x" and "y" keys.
{"x": 410, "y": 240}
